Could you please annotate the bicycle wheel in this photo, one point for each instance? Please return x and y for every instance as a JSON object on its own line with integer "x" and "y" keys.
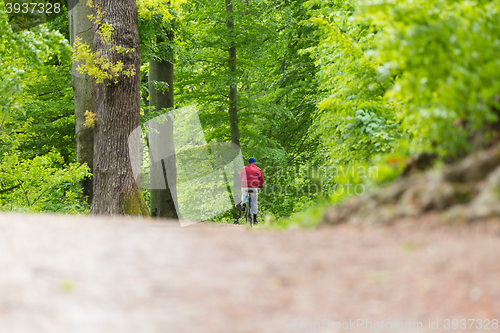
{"x": 246, "y": 212}
{"x": 250, "y": 217}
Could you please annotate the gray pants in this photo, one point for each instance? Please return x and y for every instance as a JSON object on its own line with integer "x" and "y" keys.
{"x": 253, "y": 197}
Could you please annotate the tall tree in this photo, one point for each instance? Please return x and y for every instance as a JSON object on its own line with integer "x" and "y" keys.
{"x": 233, "y": 88}
{"x": 83, "y": 90}
{"x": 117, "y": 107}
{"x": 156, "y": 27}
{"x": 163, "y": 200}
{"x": 233, "y": 96}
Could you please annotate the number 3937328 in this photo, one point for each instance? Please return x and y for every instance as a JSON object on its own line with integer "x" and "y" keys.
{"x": 32, "y": 8}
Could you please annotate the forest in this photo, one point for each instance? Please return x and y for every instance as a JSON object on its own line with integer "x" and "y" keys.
{"x": 151, "y": 107}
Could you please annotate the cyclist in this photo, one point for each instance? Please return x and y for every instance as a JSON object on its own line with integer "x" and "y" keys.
{"x": 251, "y": 178}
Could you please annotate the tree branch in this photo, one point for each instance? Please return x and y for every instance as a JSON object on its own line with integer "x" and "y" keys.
{"x": 3, "y": 120}
{"x": 10, "y": 189}
{"x": 60, "y": 117}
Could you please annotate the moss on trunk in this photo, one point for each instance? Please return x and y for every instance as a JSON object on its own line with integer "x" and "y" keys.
{"x": 133, "y": 202}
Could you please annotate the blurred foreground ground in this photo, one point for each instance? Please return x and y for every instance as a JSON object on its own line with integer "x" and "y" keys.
{"x": 71, "y": 275}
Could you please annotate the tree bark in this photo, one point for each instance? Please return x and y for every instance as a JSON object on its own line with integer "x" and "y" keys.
{"x": 233, "y": 88}
{"x": 163, "y": 201}
{"x": 117, "y": 106}
{"x": 233, "y": 106}
{"x": 83, "y": 91}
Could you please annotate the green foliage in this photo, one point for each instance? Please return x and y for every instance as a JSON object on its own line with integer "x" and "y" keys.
{"x": 167, "y": 9}
{"x": 277, "y": 88}
{"x": 443, "y": 56}
{"x": 354, "y": 122}
{"x": 99, "y": 65}
{"x": 326, "y": 88}
{"x": 308, "y": 218}
{"x": 16, "y": 50}
{"x": 42, "y": 183}
{"x": 403, "y": 77}
{"x": 377, "y": 132}
{"x": 37, "y": 172}
{"x": 46, "y": 112}
{"x": 158, "y": 24}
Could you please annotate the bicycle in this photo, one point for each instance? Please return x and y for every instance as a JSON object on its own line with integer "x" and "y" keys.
{"x": 248, "y": 215}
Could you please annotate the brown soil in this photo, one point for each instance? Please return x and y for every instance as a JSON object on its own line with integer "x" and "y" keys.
{"x": 71, "y": 275}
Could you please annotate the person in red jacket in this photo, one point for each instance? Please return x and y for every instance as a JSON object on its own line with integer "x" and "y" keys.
{"x": 251, "y": 178}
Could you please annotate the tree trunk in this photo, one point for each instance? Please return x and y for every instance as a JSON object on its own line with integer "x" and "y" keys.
{"x": 83, "y": 91}
{"x": 163, "y": 201}
{"x": 117, "y": 106}
{"x": 233, "y": 88}
{"x": 233, "y": 107}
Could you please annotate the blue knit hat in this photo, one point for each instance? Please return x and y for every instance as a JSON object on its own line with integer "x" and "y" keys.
{"x": 252, "y": 160}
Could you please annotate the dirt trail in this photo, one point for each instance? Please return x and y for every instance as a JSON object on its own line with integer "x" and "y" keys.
{"x": 71, "y": 275}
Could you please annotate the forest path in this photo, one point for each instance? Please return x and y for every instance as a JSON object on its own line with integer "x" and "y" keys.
{"x": 74, "y": 274}
{"x": 207, "y": 224}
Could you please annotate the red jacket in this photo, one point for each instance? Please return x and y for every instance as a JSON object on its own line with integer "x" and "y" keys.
{"x": 251, "y": 176}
